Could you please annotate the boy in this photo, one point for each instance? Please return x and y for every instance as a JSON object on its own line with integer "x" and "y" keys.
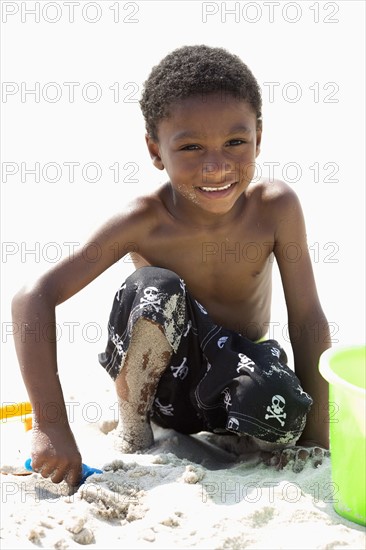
{"x": 184, "y": 330}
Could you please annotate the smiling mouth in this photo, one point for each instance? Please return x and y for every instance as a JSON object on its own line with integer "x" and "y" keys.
{"x": 216, "y": 189}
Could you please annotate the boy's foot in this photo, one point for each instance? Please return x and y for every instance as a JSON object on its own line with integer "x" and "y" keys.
{"x": 132, "y": 440}
{"x": 297, "y": 456}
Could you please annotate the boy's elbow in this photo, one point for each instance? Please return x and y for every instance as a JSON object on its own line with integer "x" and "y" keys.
{"x": 28, "y": 294}
{"x": 19, "y": 299}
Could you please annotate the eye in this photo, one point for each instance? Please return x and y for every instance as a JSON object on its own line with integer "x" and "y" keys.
{"x": 235, "y": 142}
{"x": 191, "y": 147}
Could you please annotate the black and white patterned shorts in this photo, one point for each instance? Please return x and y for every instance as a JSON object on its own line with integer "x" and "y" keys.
{"x": 217, "y": 379}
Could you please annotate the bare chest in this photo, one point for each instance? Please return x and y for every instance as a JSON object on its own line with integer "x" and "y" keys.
{"x": 228, "y": 272}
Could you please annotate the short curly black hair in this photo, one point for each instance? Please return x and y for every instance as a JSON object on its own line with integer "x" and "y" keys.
{"x": 194, "y": 70}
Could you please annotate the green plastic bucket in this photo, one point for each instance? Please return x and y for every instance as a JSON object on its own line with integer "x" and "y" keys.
{"x": 345, "y": 370}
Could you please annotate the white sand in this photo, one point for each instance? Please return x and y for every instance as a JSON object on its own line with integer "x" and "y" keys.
{"x": 186, "y": 492}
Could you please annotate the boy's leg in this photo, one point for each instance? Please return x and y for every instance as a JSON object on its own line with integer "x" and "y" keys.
{"x": 145, "y": 327}
{"x": 148, "y": 356}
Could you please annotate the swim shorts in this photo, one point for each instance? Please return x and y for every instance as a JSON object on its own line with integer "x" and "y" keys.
{"x": 217, "y": 380}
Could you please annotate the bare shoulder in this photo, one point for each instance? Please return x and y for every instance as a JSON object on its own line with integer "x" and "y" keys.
{"x": 138, "y": 213}
{"x": 276, "y": 199}
{"x": 273, "y": 191}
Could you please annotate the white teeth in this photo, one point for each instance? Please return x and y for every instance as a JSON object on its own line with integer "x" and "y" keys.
{"x": 216, "y": 188}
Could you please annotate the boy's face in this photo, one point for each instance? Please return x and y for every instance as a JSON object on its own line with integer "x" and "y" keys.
{"x": 208, "y": 146}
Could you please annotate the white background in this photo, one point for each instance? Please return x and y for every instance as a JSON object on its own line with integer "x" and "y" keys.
{"x": 327, "y": 56}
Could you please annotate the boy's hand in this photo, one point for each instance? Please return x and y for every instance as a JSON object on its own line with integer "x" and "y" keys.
{"x": 306, "y": 451}
{"x": 55, "y": 454}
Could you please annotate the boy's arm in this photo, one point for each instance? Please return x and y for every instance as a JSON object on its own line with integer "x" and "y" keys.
{"x": 308, "y": 326}
{"x": 54, "y": 450}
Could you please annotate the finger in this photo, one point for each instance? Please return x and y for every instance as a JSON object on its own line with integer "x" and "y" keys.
{"x": 36, "y": 464}
{"x": 45, "y": 469}
{"x": 274, "y": 459}
{"x": 286, "y": 456}
{"x": 300, "y": 459}
{"x": 42, "y": 464}
{"x": 317, "y": 456}
{"x": 265, "y": 457}
{"x": 57, "y": 475}
{"x": 73, "y": 475}
{"x": 49, "y": 470}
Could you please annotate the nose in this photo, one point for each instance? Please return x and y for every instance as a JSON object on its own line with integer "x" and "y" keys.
{"x": 218, "y": 172}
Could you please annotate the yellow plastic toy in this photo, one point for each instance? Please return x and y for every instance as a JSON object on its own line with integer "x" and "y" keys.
{"x": 12, "y": 411}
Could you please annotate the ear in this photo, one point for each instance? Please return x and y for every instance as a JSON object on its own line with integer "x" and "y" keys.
{"x": 259, "y": 139}
{"x": 154, "y": 151}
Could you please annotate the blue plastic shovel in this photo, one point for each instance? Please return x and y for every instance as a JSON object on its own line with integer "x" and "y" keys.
{"x": 85, "y": 472}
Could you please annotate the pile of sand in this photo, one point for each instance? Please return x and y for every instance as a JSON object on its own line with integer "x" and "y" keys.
{"x": 185, "y": 492}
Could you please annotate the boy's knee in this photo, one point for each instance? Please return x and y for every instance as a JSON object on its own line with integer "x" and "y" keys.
{"x": 155, "y": 279}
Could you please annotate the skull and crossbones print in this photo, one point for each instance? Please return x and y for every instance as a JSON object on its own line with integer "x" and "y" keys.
{"x": 277, "y": 409}
{"x": 117, "y": 341}
{"x": 245, "y": 362}
{"x": 227, "y": 398}
{"x": 152, "y": 297}
{"x": 181, "y": 370}
{"x": 168, "y": 410}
